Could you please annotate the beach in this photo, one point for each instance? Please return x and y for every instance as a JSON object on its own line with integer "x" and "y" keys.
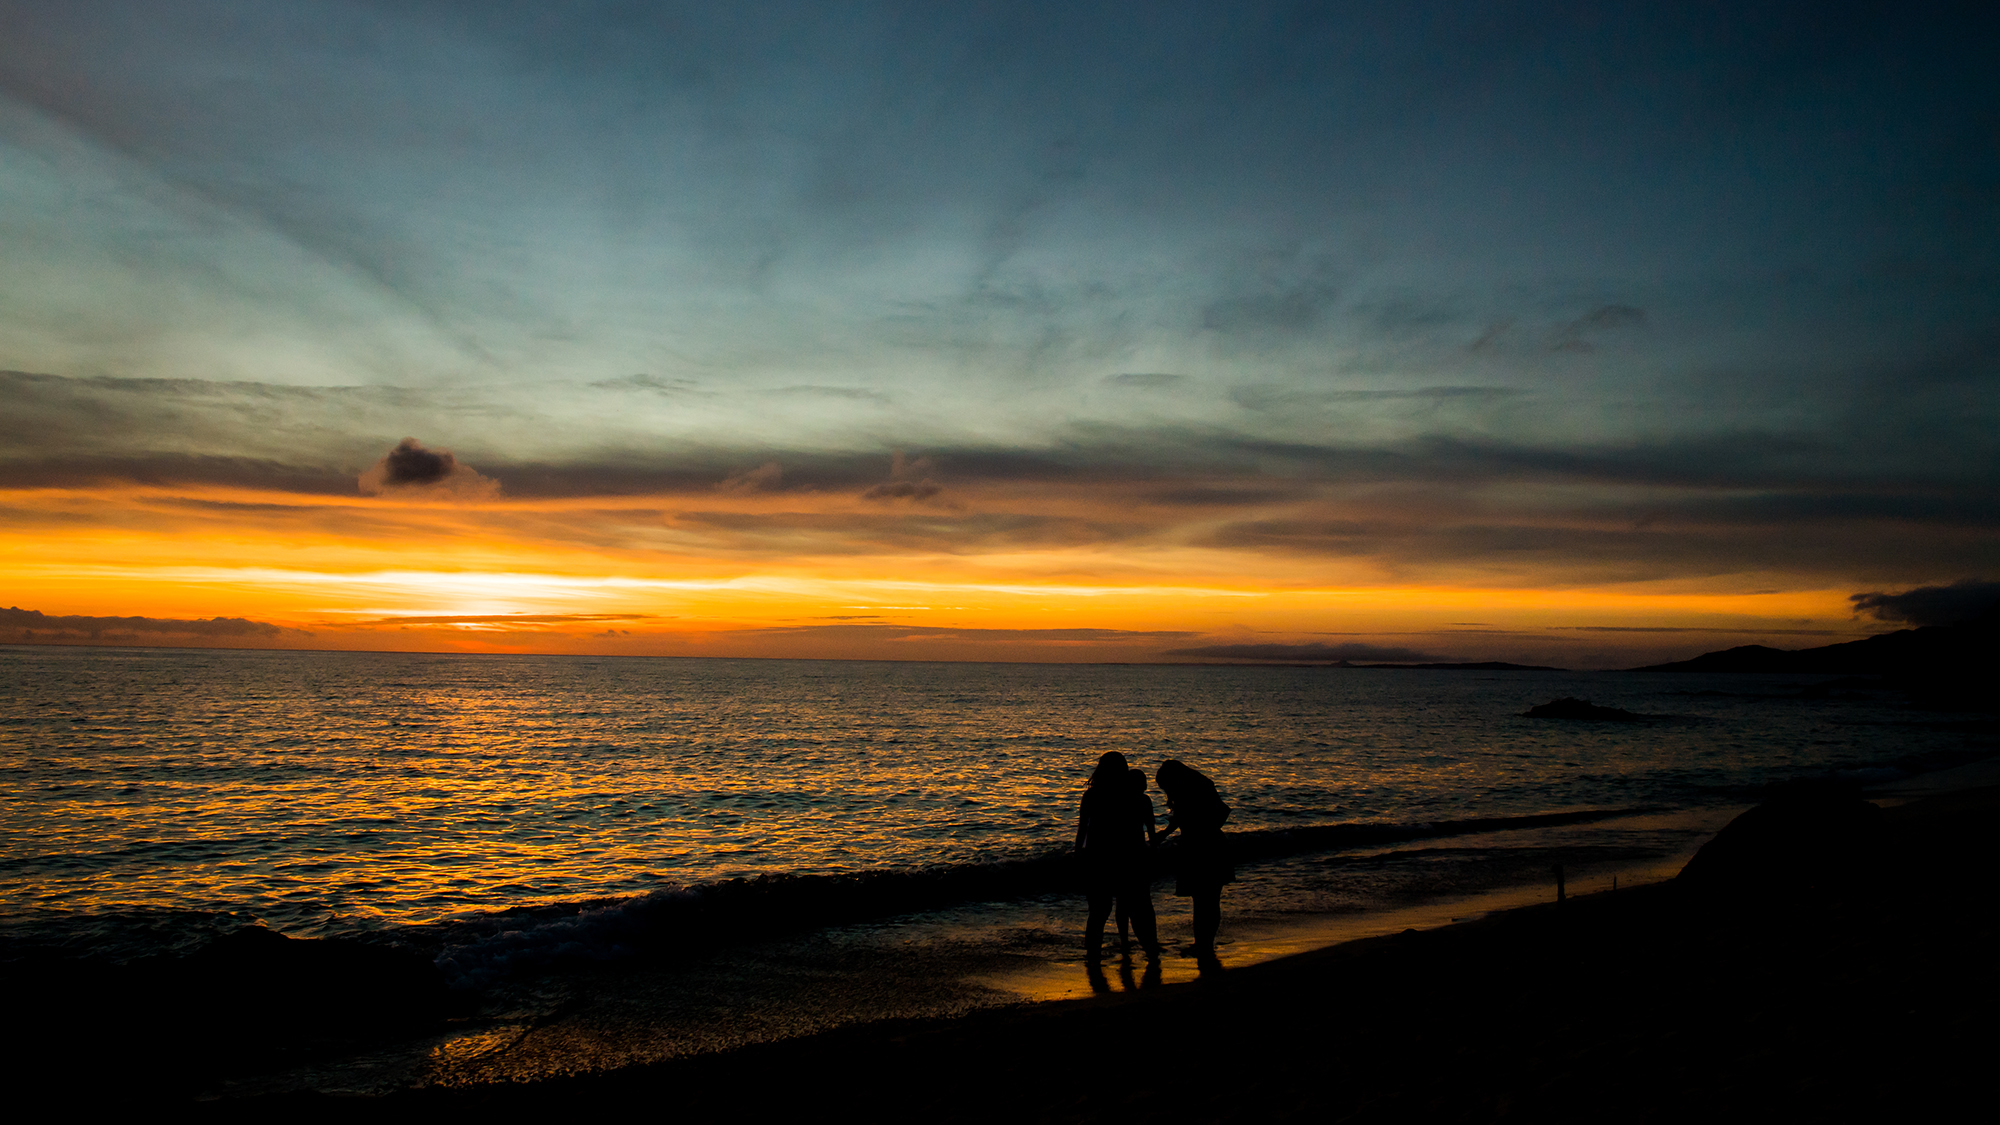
{"x": 1856, "y": 981}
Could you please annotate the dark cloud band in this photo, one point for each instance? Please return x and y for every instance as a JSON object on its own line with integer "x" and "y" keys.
{"x": 35, "y": 625}
{"x": 1965, "y": 600}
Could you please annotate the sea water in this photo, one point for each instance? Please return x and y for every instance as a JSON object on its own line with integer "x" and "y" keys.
{"x": 513, "y": 815}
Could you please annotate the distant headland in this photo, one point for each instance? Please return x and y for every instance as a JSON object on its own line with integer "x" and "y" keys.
{"x": 1948, "y": 666}
{"x": 1906, "y": 651}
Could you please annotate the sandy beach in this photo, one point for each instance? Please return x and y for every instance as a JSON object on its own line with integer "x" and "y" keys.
{"x": 1817, "y": 963}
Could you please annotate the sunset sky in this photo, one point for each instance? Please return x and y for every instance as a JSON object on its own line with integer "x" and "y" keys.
{"x": 1589, "y": 335}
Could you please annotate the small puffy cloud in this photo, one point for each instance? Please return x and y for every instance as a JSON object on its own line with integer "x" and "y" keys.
{"x": 411, "y": 463}
{"x": 762, "y": 478}
{"x": 909, "y": 479}
{"x": 411, "y": 468}
{"x": 1962, "y": 601}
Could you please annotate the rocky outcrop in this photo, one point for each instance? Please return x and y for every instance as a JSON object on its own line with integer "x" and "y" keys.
{"x": 1569, "y": 707}
{"x": 1798, "y": 841}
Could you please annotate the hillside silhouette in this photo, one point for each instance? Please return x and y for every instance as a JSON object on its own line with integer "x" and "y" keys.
{"x": 1946, "y": 664}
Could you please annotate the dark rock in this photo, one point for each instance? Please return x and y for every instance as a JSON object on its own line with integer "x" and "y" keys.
{"x": 252, "y": 1000}
{"x": 1569, "y": 707}
{"x": 1799, "y": 840}
{"x": 256, "y": 977}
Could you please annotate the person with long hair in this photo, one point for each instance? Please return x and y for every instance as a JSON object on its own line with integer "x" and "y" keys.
{"x": 1113, "y": 828}
{"x": 1196, "y": 811}
{"x": 1143, "y": 880}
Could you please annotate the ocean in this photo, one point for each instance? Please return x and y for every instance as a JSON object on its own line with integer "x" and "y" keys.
{"x": 624, "y": 859}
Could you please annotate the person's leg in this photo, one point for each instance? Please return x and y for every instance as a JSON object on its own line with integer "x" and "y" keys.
{"x": 1093, "y": 930}
{"x": 1124, "y": 924}
{"x": 1144, "y": 922}
{"x": 1207, "y": 916}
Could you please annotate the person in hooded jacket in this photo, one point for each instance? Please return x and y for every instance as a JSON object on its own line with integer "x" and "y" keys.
{"x": 1196, "y": 812}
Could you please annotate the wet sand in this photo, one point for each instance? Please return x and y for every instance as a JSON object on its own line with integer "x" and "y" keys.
{"x": 1856, "y": 983}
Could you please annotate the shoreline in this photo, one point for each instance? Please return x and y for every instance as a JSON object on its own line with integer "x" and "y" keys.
{"x": 1817, "y": 998}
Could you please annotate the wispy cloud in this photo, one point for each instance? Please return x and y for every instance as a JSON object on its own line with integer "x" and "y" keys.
{"x": 1961, "y": 601}
{"x": 1151, "y": 380}
{"x": 505, "y": 619}
{"x": 1578, "y": 335}
{"x": 762, "y": 478}
{"x": 909, "y": 479}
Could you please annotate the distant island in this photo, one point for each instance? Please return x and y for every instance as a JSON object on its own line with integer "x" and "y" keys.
{"x": 1480, "y": 666}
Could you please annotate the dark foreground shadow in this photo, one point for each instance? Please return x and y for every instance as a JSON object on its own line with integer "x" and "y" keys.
{"x": 1820, "y": 963}
{"x": 165, "y": 1027}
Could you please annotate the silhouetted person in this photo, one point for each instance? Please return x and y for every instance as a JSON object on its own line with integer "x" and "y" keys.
{"x": 1197, "y": 812}
{"x": 1111, "y": 835}
{"x": 1142, "y": 884}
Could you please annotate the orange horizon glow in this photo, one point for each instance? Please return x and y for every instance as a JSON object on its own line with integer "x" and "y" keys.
{"x": 632, "y": 576}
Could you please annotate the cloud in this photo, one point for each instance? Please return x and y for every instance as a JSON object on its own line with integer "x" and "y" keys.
{"x": 814, "y": 390}
{"x": 411, "y": 463}
{"x": 949, "y": 531}
{"x": 36, "y": 625}
{"x": 908, "y": 480}
{"x": 508, "y": 619}
{"x": 175, "y": 469}
{"x": 1315, "y": 651}
{"x": 1490, "y": 337}
{"x": 926, "y": 632}
{"x": 1962, "y": 601}
{"x": 1147, "y": 379}
{"x": 652, "y": 383}
{"x": 1700, "y": 629}
{"x": 1267, "y": 397}
{"x": 1285, "y": 294}
{"x": 762, "y": 478}
{"x": 1572, "y": 337}
{"x": 411, "y": 468}
{"x": 1442, "y": 496}
{"x": 903, "y": 490}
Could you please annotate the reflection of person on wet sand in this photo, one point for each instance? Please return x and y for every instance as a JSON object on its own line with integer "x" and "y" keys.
{"x": 1197, "y": 813}
{"x": 1111, "y": 835}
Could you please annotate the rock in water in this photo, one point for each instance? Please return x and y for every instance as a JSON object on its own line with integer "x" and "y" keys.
{"x": 1569, "y": 707}
{"x": 258, "y": 978}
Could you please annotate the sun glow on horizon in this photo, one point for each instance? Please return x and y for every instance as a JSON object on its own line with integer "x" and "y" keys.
{"x": 824, "y": 576}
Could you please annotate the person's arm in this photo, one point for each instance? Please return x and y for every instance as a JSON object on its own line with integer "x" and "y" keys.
{"x": 1153, "y": 833}
{"x": 1083, "y": 823}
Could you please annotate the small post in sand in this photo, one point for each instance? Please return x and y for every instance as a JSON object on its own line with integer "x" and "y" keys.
{"x": 1559, "y": 882}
